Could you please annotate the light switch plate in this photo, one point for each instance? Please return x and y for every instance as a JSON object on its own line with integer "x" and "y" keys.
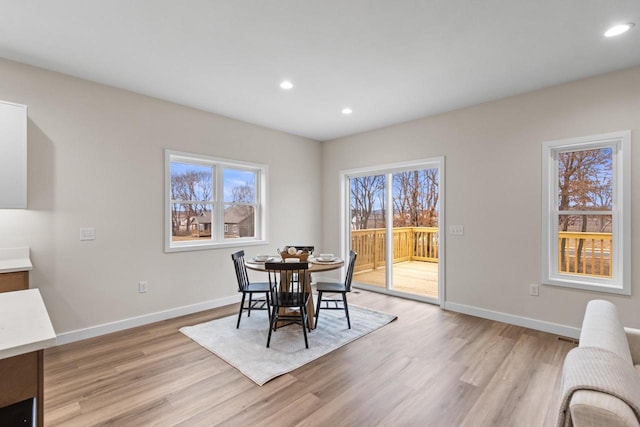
{"x": 87, "y": 234}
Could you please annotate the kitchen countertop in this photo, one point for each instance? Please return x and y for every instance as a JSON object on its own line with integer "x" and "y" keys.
{"x": 15, "y": 259}
{"x": 24, "y": 323}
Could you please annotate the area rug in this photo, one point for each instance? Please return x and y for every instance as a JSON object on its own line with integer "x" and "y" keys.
{"x": 245, "y": 348}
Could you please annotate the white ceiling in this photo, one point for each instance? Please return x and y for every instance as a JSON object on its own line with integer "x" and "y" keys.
{"x": 389, "y": 60}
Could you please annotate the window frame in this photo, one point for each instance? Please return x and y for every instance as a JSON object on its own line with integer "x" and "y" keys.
{"x": 620, "y": 281}
{"x": 218, "y": 166}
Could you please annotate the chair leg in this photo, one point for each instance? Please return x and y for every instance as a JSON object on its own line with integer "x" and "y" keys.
{"x": 272, "y": 324}
{"x": 346, "y": 309}
{"x": 318, "y": 306}
{"x": 306, "y": 318}
{"x": 303, "y": 311}
{"x": 250, "y": 302}
{"x": 268, "y": 306}
{"x": 240, "y": 312}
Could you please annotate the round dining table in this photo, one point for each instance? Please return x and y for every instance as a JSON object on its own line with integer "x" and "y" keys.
{"x": 315, "y": 266}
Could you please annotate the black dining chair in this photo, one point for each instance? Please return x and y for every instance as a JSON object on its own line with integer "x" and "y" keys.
{"x": 289, "y": 294}
{"x": 248, "y": 288}
{"x": 337, "y": 288}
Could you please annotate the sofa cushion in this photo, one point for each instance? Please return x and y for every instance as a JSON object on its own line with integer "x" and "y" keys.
{"x": 603, "y": 371}
{"x": 601, "y": 328}
{"x": 594, "y": 409}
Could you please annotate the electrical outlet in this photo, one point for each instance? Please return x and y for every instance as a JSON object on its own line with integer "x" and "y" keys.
{"x": 534, "y": 289}
{"x": 142, "y": 287}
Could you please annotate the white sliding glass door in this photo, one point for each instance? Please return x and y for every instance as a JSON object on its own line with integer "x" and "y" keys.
{"x": 392, "y": 218}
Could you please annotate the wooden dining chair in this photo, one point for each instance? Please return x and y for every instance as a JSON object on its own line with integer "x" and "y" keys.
{"x": 289, "y": 297}
{"x": 248, "y": 288}
{"x": 337, "y": 288}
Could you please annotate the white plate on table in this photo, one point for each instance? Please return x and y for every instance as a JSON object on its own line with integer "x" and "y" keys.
{"x": 330, "y": 261}
{"x": 255, "y": 261}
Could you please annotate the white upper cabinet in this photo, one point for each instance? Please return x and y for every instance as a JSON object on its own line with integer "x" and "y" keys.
{"x": 13, "y": 155}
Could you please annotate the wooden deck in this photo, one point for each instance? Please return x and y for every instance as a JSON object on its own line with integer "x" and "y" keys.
{"x": 413, "y": 277}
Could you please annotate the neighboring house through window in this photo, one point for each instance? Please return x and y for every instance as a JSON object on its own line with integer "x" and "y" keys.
{"x": 213, "y": 202}
{"x": 586, "y": 213}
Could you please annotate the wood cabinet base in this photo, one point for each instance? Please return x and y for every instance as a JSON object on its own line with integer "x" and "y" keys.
{"x": 22, "y": 379}
{"x": 15, "y": 281}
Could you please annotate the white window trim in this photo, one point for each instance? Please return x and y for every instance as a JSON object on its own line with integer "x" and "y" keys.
{"x": 262, "y": 172}
{"x": 620, "y": 283}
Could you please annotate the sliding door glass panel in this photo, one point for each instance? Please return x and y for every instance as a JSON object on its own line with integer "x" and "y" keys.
{"x": 415, "y": 198}
{"x": 368, "y": 219}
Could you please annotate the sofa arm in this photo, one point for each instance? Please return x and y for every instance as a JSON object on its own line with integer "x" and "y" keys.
{"x": 633, "y": 337}
{"x": 595, "y": 409}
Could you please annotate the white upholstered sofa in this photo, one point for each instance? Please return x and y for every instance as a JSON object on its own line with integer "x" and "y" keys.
{"x": 602, "y": 330}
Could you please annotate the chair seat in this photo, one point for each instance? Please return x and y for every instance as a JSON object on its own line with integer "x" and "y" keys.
{"x": 286, "y": 299}
{"x": 258, "y": 287}
{"x": 330, "y": 287}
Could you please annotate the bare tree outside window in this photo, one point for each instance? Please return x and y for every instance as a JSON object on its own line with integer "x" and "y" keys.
{"x": 415, "y": 198}
{"x": 367, "y": 202}
{"x": 191, "y": 193}
{"x": 243, "y": 193}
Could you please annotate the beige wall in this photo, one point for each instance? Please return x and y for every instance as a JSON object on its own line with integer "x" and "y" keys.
{"x": 96, "y": 159}
{"x": 493, "y": 188}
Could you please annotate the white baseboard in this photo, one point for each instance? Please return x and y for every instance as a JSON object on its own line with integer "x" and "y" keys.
{"x": 106, "y": 328}
{"x": 132, "y": 322}
{"x": 553, "y": 328}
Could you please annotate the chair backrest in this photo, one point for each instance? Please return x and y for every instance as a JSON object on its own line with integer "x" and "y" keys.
{"x": 288, "y": 281}
{"x": 241, "y": 270}
{"x": 352, "y": 263}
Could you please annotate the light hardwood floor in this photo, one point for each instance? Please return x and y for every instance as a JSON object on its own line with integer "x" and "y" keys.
{"x": 428, "y": 368}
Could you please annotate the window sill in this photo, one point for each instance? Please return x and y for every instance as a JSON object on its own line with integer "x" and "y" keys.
{"x": 610, "y": 288}
{"x": 236, "y": 243}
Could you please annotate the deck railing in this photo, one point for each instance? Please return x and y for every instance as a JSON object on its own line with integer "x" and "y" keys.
{"x": 584, "y": 253}
{"x": 409, "y": 244}
{"x": 578, "y": 253}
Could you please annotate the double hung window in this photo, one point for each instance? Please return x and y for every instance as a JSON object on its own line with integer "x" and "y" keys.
{"x": 586, "y": 213}
{"x": 213, "y": 202}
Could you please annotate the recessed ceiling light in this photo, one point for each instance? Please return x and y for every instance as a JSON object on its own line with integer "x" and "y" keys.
{"x": 286, "y": 85}
{"x": 347, "y": 111}
{"x": 616, "y": 30}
